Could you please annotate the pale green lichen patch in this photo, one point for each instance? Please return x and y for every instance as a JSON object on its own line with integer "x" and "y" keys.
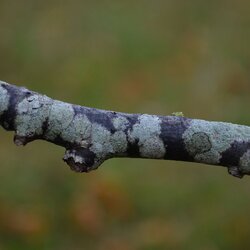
{"x": 199, "y": 143}
{"x": 4, "y": 99}
{"x": 100, "y": 140}
{"x": 60, "y": 117}
{"x": 245, "y": 163}
{"x": 120, "y": 122}
{"x": 105, "y": 144}
{"x": 147, "y": 131}
{"x": 31, "y": 113}
{"x": 119, "y": 142}
{"x": 219, "y": 137}
{"x": 78, "y": 131}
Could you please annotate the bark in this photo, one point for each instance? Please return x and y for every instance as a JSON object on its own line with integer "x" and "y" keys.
{"x": 92, "y": 136}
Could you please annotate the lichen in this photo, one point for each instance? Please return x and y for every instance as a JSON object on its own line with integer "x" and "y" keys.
{"x": 4, "y": 99}
{"x": 220, "y": 136}
{"x": 119, "y": 142}
{"x": 245, "y": 162}
{"x": 147, "y": 131}
{"x": 199, "y": 143}
{"x": 100, "y": 140}
{"x": 31, "y": 113}
{"x": 60, "y": 116}
{"x": 120, "y": 122}
{"x": 78, "y": 131}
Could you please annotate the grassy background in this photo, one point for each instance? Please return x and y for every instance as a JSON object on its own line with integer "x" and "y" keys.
{"x": 132, "y": 56}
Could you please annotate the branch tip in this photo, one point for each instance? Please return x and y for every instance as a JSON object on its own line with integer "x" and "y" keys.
{"x": 20, "y": 140}
{"x": 235, "y": 171}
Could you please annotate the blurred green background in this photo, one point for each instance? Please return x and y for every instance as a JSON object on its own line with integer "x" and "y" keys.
{"x": 131, "y": 56}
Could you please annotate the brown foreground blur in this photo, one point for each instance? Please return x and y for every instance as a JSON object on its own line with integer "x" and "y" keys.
{"x": 133, "y": 56}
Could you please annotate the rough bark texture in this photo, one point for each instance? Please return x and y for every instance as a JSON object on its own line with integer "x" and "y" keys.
{"x": 91, "y": 136}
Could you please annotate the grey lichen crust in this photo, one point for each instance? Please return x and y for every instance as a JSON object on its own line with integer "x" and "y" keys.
{"x": 4, "y": 99}
{"x": 91, "y": 136}
{"x": 147, "y": 132}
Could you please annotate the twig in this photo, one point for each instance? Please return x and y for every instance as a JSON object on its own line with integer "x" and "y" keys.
{"x": 91, "y": 136}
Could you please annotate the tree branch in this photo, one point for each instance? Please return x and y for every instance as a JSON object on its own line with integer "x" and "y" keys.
{"x": 91, "y": 136}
